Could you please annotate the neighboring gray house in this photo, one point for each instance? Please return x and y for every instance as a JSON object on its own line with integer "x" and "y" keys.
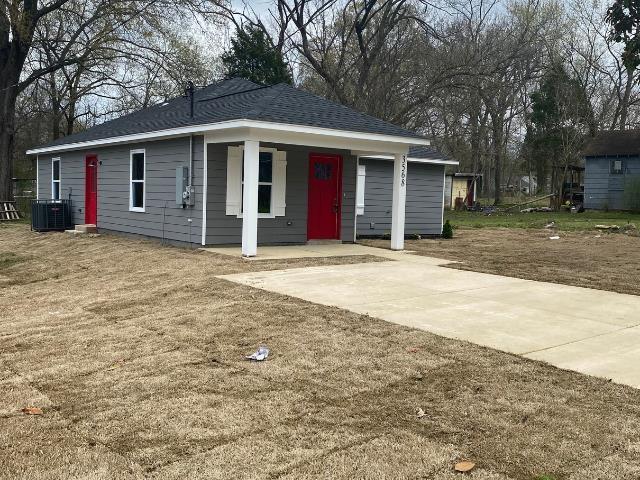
{"x": 425, "y": 184}
{"x": 241, "y": 163}
{"x": 612, "y": 170}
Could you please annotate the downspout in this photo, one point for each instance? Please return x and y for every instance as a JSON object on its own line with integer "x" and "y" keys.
{"x": 190, "y": 160}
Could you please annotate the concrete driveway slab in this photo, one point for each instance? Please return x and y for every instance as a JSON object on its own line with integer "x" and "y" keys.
{"x": 558, "y": 299}
{"x": 485, "y": 322}
{"x": 590, "y": 331}
{"x": 613, "y": 355}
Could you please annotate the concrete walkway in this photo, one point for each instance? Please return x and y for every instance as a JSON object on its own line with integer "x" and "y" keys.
{"x": 589, "y": 331}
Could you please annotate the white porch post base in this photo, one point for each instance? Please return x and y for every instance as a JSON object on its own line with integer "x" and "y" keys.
{"x": 398, "y": 202}
{"x": 250, "y": 199}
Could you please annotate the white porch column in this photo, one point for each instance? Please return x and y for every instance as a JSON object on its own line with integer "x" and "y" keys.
{"x": 250, "y": 198}
{"x": 399, "y": 197}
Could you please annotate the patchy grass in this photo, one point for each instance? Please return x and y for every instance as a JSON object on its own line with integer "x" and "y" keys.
{"x": 135, "y": 354}
{"x": 9, "y": 259}
{"x": 564, "y": 221}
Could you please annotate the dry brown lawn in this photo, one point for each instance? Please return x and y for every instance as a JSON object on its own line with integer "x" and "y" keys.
{"x": 134, "y": 352}
{"x": 605, "y": 261}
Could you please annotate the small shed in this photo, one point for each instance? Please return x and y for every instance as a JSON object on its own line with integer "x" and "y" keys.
{"x": 462, "y": 186}
{"x": 612, "y": 171}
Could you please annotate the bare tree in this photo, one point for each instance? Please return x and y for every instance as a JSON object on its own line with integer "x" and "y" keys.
{"x": 39, "y": 38}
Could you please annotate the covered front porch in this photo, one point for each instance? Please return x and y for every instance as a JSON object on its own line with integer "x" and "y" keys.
{"x": 320, "y": 250}
{"x": 280, "y": 184}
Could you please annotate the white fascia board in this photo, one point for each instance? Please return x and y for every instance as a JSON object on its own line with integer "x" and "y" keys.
{"x": 413, "y": 159}
{"x": 435, "y": 161}
{"x": 258, "y": 128}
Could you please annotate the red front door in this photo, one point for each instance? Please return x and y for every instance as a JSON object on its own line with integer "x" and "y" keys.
{"x": 91, "y": 190}
{"x": 325, "y": 192}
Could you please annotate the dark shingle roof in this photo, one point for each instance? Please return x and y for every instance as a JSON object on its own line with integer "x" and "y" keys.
{"x": 237, "y": 99}
{"x": 613, "y": 142}
{"x": 426, "y": 152}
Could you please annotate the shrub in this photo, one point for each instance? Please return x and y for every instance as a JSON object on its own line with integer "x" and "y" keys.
{"x": 447, "y": 230}
{"x": 632, "y": 193}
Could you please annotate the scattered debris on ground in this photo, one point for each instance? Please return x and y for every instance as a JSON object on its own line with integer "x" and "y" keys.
{"x": 32, "y": 411}
{"x": 420, "y": 412}
{"x": 259, "y": 355}
{"x": 536, "y": 209}
{"x": 611, "y": 228}
{"x": 554, "y": 237}
{"x": 464, "y": 467}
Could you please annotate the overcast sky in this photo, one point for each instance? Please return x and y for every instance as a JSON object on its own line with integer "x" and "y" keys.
{"x": 259, "y": 6}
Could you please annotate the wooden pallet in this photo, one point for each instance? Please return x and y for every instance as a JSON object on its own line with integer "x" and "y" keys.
{"x": 8, "y": 211}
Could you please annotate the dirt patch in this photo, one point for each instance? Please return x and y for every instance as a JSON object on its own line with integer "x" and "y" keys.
{"x": 135, "y": 354}
{"x": 605, "y": 261}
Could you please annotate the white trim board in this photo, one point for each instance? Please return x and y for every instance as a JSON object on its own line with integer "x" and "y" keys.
{"x": 143, "y": 181}
{"x": 256, "y": 127}
{"x": 37, "y": 177}
{"x": 205, "y": 186}
{"x": 411, "y": 159}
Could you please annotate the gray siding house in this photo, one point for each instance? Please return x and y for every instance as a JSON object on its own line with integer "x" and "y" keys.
{"x": 241, "y": 163}
{"x": 612, "y": 171}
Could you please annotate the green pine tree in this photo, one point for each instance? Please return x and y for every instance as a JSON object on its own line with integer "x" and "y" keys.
{"x": 252, "y": 56}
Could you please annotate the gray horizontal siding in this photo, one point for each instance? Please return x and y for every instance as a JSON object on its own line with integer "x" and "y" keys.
{"x": 289, "y": 229}
{"x": 71, "y": 180}
{"x": 603, "y": 190}
{"x": 162, "y": 217}
{"x": 423, "y": 210}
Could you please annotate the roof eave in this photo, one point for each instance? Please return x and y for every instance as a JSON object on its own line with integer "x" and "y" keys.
{"x": 255, "y": 126}
{"x": 434, "y": 161}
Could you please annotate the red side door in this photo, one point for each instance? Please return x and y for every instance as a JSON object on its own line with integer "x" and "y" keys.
{"x": 325, "y": 193}
{"x": 91, "y": 190}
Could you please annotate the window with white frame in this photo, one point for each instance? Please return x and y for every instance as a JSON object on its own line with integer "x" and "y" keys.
{"x": 137, "y": 171}
{"x": 265, "y": 183}
{"x": 55, "y": 179}
{"x": 617, "y": 166}
{"x": 272, "y": 179}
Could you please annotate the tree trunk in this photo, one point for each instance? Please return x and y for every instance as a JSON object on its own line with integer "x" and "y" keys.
{"x": 624, "y": 110}
{"x": 8, "y": 93}
{"x": 498, "y": 135}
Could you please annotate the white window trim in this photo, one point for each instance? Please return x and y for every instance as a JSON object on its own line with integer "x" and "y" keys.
{"x": 59, "y": 181}
{"x": 361, "y": 176}
{"x": 143, "y": 181}
{"x": 273, "y": 152}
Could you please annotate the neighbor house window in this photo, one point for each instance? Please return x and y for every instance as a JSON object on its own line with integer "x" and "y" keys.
{"x": 137, "y": 179}
{"x": 265, "y": 182}
{"x": 55, "y": 178}
{"x": 617, "y": 166}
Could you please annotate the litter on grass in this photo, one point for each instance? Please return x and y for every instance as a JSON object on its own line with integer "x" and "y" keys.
{"x": 420, "y": 413}
{"x": 259, "y": 355}
{"x": 555, "y": 237}
{"x": 32, "y": 411}
{"x": 464, "y": 467}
